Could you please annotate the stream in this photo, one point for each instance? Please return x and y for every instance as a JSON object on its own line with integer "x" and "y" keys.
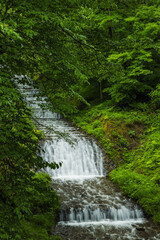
{"x": 92, "y": 207}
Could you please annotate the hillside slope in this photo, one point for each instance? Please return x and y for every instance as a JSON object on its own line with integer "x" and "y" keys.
{"x": 131, "y": 140}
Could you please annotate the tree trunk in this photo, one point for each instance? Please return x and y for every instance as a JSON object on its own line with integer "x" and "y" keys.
{"x": 110, "y": 28}
{"x": 100, "y": 90}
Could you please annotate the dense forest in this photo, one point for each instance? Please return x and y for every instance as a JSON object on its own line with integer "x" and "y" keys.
{"x": 98, "y": 64}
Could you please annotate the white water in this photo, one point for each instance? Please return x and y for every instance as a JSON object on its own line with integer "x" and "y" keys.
{"x": 78, "y": 161}
{"x": 89, "y": 214}
{"x": 86, "y": 195}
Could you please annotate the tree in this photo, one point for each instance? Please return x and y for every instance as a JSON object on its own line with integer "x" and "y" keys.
{"x": 124, "y": 63}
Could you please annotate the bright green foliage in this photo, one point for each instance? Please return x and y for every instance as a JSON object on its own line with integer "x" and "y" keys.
{"x": 45, "y": 205}
{"x": 141, "y": 188}
{"x": 140, "y": 176}
{"x": 92, "y": 49}
{"x": 73, "y": 50}
{"x": 132, "y": 142}
{"x": 123, "y": 58}
{"x": 23, "y": 195}
{"x": 115, "y": 130}
{"x": 155, "y": 96}
{"x": 36, "y": 41}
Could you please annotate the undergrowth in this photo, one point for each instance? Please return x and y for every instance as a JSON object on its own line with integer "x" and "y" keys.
{"x": 45, "y": 207}
{"x": 36, "y": 224}
{"x": 117, "y": 131}
{"x": 132, "y": 142}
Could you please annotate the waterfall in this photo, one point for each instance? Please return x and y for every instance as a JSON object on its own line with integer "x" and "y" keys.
{"x": 78, "y": 160}
{"x": 88, "y": 198}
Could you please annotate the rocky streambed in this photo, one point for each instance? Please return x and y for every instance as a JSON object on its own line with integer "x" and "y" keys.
{"x": 91, "y": 206}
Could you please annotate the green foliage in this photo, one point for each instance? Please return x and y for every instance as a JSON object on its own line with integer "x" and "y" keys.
{"x": 115, "y": 130}
{"x": 131, "y": 133}
{"x": 36, "y": 40}
{"x": 74, "y": 50}
{"x": 139, "y": 177}
{"x": 23, "y": 194}
{"x": 132, "y": 142}
{"x": 123, "y": 50}
{"x": 147, "y": 157}
{"x": 45, "y": 205}
{"x": 140, "y": 188}
{"x": 81, "y": 50}
{"x": 155, "y": 96}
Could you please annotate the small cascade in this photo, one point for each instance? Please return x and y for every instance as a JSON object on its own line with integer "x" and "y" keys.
{"x": 78, "y": 160}
{"x": 91, "y": 206}
{"x": 91, "y": 214}
{"x": 45, "y": 114}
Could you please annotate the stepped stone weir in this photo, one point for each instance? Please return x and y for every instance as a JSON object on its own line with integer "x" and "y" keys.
{"x": 91, "y": 207}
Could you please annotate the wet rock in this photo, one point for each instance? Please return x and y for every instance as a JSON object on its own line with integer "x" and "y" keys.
{"x": 92, "y": 209}
{"x": 140, "y": 228}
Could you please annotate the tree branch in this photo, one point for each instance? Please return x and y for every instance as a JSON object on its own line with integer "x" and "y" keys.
{"x": 77, "y": 40}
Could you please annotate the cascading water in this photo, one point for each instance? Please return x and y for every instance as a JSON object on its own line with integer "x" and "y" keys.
{"x": 91, "y": 207}
{"x": 79, "y": 160}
